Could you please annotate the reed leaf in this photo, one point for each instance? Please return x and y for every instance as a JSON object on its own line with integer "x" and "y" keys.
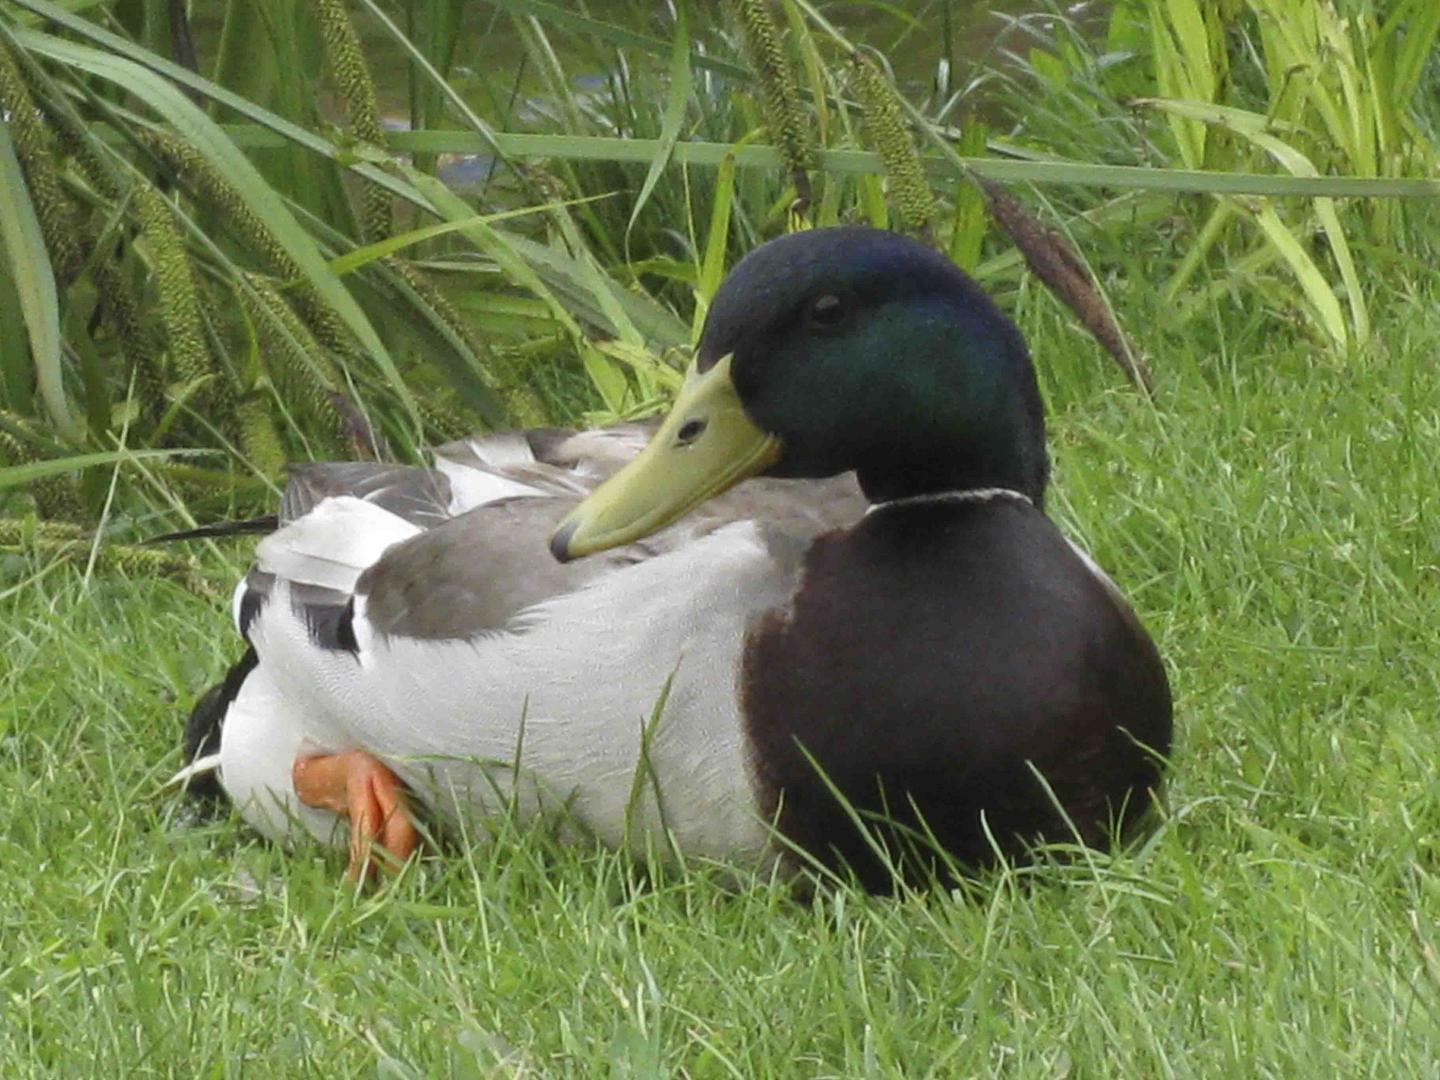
{"x": 676, "y": 103}
{"x": 948, "y": 167}
{"x": 1253, "y": 127}
{"x": 28, "y": 265}
{"x": 1312, "y": 281}
{"x": 364, "y": 256}
{"x": 712, "y": 260}
{"x": 422, "y": 63}
{"x": 285, "y": 131}
{"x": 622, "y": 37}
{"x": 12, "y": 476}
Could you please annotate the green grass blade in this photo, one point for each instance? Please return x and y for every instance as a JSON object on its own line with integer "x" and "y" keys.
{"x": 1169, "y": 79}
{"x": 971, "y": 219}
{"x": 601, "y": 285}
{"x": 1253, "y": 127}
{"x": 657, "y": 324}
{"x": 1188, "y": 27}
{"x": 463, "y": 367}
{"x": 497, "y": 245}
{"x": 1197, "y": 250}
{"x": 1421, "y": 21}
{"x": 1317, "y": 289}
{"x": 34, "y": 282}
{"x": 813, "y": 64}
{"x": 945, "y": 165}
{"x": 422, "y": 62}
{"x": 547, "y": 273}
{"x": 612, "y": 384}
{"x": 676, "y": 100}
{"x": 20, "y": 475}
{"x": 608, "y": 380}
{"x": 717, "y": 242}
{"x": 643, "y": 363}
{"x": 364, "y": 256}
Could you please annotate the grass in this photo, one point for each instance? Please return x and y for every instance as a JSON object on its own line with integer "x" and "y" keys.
{"x": 1274, "y": 519}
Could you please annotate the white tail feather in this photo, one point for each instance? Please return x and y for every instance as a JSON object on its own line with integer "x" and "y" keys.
{"x": 199, "y": 767}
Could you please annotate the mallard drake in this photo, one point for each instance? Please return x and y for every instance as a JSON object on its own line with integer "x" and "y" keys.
{"x": 885, "y": 628}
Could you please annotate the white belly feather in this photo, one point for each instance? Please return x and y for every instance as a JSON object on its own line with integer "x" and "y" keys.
{"x": 573, "y": 698}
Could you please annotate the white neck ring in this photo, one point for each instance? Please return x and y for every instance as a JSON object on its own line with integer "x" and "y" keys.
{"x": 970, "y": 495}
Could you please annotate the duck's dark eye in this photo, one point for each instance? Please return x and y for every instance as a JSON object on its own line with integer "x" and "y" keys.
{"x": 689, "y": 432}
{"x": 827, "y": 312}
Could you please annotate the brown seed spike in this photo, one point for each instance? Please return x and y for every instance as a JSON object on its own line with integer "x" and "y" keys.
{"x": 1055, "y": 263}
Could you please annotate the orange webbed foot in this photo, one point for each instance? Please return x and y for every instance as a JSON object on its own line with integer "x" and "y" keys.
{"x": 369, "y": 794}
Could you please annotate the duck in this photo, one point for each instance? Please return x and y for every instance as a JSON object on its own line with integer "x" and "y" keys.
{"x": 815, "y": 619}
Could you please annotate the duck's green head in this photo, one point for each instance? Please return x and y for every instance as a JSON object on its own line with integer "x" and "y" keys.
{"x": 829, "y": 350}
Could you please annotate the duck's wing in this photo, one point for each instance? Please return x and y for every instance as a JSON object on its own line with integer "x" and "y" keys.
{"x": 545, "y": 461}
{"x": 420, "y": 496}
{"x": 446, "y": 549}
{"x": 469, "y": 473}
{"x": 485, "y": 569}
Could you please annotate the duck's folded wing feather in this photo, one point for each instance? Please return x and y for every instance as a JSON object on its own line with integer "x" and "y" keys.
{"x": 483, "y": 570}
{"x": 537, "y": 462}
{"x": 417, "y": 495}
{"x": 476, "y": 573}
{"x": 321, "y": 557}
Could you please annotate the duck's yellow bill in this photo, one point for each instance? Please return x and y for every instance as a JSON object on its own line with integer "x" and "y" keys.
{"x": 706, "y": 445}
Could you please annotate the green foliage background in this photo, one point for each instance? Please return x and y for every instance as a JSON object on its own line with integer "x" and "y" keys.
{"x": 241, "y": 261}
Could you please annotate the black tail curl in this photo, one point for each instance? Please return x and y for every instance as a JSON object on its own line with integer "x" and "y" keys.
{"x": 203, "y": 727}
